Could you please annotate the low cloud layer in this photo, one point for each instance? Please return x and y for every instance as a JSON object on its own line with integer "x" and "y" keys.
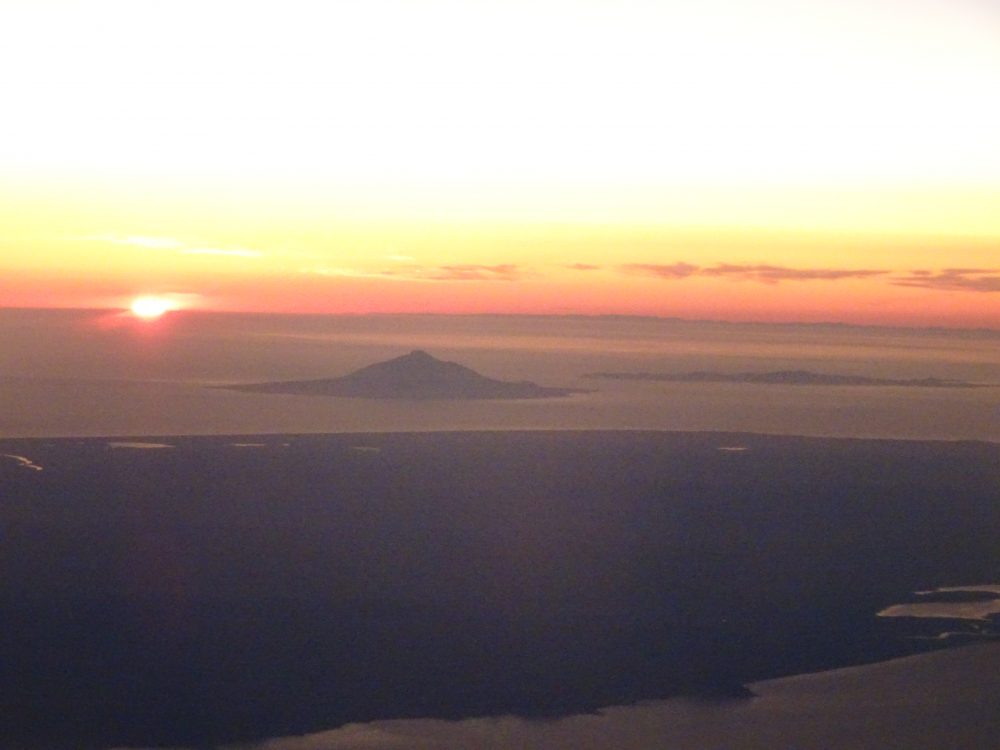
{"x": 764, "y": 273}
{"x": 953, "y": 279}
{"x": 769, "y": 274}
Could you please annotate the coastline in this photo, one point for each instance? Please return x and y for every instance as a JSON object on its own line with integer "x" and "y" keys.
{"x": 924, "y": 701}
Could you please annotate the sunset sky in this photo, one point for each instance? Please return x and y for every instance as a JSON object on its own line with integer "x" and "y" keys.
{"x": 834, "y": 160}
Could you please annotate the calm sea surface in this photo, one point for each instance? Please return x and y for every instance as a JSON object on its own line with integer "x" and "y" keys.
{"x": 66, "y": 373}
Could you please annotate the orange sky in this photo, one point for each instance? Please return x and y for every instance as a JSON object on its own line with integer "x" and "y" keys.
{"x": 773, "y": 160}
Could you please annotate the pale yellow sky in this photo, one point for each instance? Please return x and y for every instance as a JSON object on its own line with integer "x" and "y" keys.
{"x": 174, "y": 144}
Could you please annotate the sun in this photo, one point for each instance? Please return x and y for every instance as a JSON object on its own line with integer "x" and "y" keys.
{"x": 150, "y": 308}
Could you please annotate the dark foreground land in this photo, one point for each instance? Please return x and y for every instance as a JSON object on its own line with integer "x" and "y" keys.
{"x": 220, "y": 590}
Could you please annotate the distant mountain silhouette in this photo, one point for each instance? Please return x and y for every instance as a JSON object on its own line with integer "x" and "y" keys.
{"x": 781, "y": 377}
{"x": 416, "y": 375}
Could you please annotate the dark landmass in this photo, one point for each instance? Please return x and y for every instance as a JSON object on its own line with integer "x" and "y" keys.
{"x": 232, "y": 588}
{"x": 782, "y": 377}
{"x": 416, "y": 375}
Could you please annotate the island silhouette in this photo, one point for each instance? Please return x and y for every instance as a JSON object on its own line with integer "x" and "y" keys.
{"x": 417, "y": 375}
{"x": 781, "y": 377}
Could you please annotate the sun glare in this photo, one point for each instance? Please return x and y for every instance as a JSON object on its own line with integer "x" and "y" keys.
{"x": 150, "y": 308}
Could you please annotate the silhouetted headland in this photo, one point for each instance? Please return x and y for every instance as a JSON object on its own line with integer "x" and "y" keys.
{"x": 416, "y": 375}
{"x": 782, "y": 377}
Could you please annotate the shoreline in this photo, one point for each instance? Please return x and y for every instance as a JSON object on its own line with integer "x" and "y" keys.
{"x": 872, "y": 705}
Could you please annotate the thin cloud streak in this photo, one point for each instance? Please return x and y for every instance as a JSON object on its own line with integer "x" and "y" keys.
{"x": 502, "y": 272}
{"x": 350, "y": 273}
{"x": 464, "y": 272}
{"x": 460, "y": 272}
{"x": 151, "y": 243}
{"x": 671, "y": 271}
{"x": 235, "y": 252}
{"x": 147, "y": 242}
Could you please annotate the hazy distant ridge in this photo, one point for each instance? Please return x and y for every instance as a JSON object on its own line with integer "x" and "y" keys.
{"x": 782, "y": 377}
{"x": 416, "y": 375}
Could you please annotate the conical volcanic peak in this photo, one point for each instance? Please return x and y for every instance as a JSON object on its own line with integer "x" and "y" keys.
{"x": 415, "y": 358}
{"x": 417, "y": 372}
{"x": 417, "y": 375}
{"x": 415, "y": 362}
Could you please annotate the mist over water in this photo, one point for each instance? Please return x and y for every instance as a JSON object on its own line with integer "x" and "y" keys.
{"x": 267, "y": 560}
{"x": 100, "y": 373}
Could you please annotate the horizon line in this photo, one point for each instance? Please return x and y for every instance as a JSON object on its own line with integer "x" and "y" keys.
{"x": 982, "y": 330}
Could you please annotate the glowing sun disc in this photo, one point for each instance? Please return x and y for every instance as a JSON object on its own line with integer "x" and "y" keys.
{"x": 149, "y": 308}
